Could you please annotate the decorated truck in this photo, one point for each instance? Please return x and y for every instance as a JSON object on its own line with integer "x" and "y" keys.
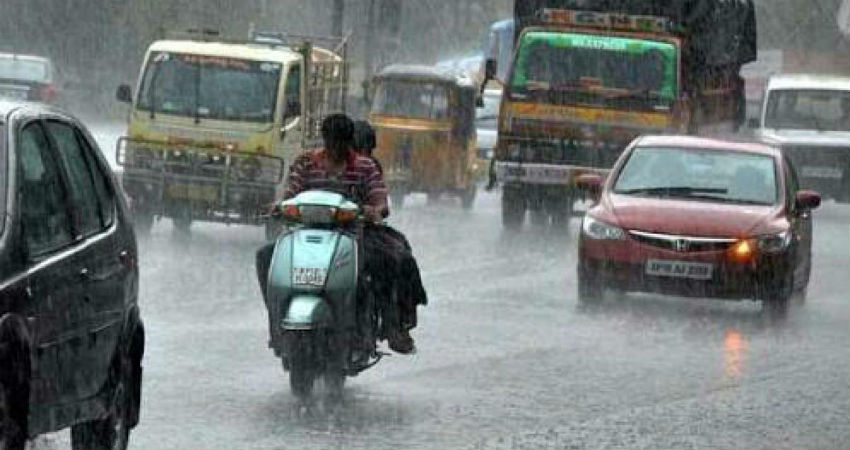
{"x": 588, "y": 77}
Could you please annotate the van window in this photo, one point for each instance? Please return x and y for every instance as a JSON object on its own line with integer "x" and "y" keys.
{"x": 208, "y": 87}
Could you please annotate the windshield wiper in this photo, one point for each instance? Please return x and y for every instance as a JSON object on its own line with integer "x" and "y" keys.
{"x": 675, "y": 191}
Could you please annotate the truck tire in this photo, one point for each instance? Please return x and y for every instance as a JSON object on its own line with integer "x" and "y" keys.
{"x": 513, "y": 209}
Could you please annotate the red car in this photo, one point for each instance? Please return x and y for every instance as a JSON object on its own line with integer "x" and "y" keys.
{"x": 698, "y": 217}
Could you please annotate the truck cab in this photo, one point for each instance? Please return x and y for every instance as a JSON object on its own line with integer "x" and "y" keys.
{"x": 808, "y": 116}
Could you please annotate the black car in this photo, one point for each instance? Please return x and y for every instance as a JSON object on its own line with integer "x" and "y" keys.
{"x": 71, "y": 338}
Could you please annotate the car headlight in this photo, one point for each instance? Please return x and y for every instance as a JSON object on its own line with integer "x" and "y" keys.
{"x": 775, "y": 243}
{"x": 596, "y": 229}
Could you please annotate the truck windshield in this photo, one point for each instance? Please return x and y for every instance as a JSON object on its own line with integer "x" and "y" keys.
{"x": 411, "y": 99}
{"x": 585, "y": 68}
{"x": 707, "y": 175}
{"x": 208, "y": 87}
{"x": 822, "y": 110}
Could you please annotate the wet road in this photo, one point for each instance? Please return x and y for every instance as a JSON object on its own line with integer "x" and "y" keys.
{"x": 505, "y": 358}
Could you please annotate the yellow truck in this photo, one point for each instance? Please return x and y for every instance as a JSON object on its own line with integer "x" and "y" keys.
{"x": 215, "y": 123}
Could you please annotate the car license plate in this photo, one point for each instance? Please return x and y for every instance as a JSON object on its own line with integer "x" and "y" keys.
{"x": 309, "y": 276}
{"x": 679, "y": 269}
{"x": 834, "y": 173}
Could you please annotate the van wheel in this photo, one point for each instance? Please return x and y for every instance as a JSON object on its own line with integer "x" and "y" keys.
{"x": 113, "y": 432}
{"x": 14, "y": 399}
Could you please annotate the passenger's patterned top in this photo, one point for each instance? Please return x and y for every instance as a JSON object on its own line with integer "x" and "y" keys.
{"x": 361, "y": 180}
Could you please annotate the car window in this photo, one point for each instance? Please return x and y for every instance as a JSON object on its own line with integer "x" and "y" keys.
{"x": 719, "y": 175}
{"x": 44, "y": 215}
{"x": 85, "y": 205}
{"x": 105, "y": 195}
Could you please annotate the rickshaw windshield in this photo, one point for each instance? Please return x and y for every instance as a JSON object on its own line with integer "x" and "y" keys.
{"x": 411, "y": 99}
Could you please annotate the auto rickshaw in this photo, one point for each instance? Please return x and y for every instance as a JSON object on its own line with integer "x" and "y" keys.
{"x": 424, "y": 118}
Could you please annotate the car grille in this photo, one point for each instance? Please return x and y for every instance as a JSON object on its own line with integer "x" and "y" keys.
{"x": 682, "y": 244}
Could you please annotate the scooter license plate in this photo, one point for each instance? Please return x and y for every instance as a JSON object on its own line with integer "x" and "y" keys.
{"x": 309, "y": 276}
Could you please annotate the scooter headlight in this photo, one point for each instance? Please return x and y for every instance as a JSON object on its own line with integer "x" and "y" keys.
{"x": 599, "y": 230}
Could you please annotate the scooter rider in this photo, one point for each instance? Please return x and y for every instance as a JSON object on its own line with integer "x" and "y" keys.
{"x": 338, "y": 168}
{"x": 409, "y": 282}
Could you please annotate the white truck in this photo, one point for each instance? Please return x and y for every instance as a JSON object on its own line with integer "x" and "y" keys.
{"x": 808, "y": 116}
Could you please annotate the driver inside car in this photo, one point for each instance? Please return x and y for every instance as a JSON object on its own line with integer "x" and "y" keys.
{"x": 337, "y": 167}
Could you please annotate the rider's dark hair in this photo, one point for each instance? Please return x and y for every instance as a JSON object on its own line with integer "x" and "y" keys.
{"x": 364, "y": 137}
{"x": 338, "y": 128}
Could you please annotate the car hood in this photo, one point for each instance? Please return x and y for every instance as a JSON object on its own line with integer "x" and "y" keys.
{"x": 806, "y": 137}
{"x": 692, "y": 218}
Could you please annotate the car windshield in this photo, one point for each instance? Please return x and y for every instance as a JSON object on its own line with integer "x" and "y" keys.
{"x": 590, "y": 68}
{"x": 810, "y": 109}
{"x": 411, "y": 99}
{"x": 706, "y": 175}
{"x": 12, "y": 68}
{"x": 207, "y": 87}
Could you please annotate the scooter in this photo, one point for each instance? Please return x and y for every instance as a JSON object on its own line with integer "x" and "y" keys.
{"x": 323, "y": 317}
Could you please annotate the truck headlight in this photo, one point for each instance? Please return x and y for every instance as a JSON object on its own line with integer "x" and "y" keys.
{"x": 775, "y": 243}
{"x": 599, "y": 230}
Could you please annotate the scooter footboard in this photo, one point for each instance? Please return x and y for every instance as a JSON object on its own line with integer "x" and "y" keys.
{"x": 307, "y": 312}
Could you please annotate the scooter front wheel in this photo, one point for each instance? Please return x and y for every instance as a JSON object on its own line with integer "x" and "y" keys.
{"x": 302, "y": 365}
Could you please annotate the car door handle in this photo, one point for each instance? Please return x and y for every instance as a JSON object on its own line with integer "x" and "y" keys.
{"x": 85, "y": 273}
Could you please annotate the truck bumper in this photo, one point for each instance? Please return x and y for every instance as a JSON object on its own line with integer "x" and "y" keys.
{"x": 541, "y": 174}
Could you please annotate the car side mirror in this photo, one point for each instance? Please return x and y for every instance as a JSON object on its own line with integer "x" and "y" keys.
{"x": 591, "y": 185}
{"x": 124, "y": 94}
{"x": 807, "y": 200}
{"x": 753, "y": 123}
